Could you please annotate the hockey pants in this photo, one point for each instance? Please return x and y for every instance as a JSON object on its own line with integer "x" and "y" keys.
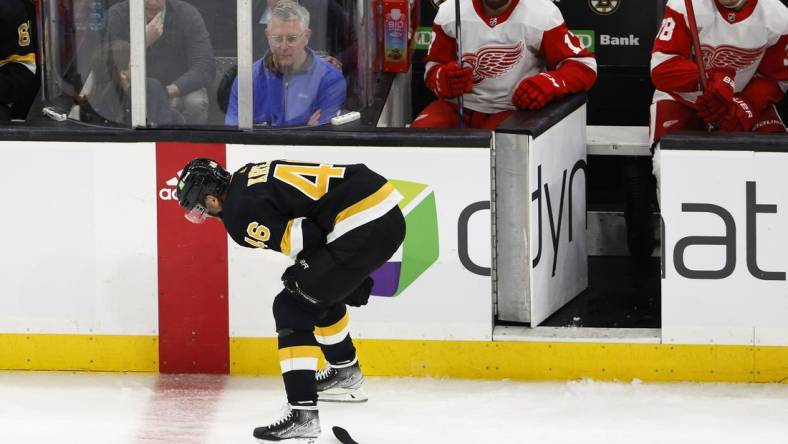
{"x": 306, "y": 329}
{"x": 444, "y": 114}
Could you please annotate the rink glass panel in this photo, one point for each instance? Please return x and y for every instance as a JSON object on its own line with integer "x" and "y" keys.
{"x": 79, "y": 71}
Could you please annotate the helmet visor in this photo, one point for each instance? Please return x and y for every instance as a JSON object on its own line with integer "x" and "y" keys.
{"x": 197, "y": 215}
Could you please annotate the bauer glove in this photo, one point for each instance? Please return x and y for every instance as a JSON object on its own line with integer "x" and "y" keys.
{"x": 713, "y": 104}
{"x": 741, "y": 116}
{"x": 450, "y": 80}
{"x": 537, "y": 91}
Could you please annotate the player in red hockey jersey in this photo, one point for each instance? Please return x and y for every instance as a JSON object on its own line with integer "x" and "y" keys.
{"x": 517, "y": 54}
{"x": 744, "y": 45}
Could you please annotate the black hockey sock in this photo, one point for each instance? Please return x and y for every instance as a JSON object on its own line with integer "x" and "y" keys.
{"x": 298, "y": 356}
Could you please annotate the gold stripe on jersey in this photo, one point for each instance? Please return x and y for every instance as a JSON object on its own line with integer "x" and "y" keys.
{"x": 334, "y": 333}
{"x": 16, "y": 58}
{"x": 293, "y": 238}
{"x": 366, "y": 210}
{"x": 301, "y": 357}
{"x": 284, "y": 245}
{"x": 28, "y": 60}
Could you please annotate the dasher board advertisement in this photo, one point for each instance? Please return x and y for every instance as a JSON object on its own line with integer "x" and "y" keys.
{"x": 724, "y": 247}
{"x": 559, "y": 257}
{"x": 427, "y": 290}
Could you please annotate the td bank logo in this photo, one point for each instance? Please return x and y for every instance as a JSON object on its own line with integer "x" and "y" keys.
{"x": 419, "y": 250}
{"x": 587, "y": 38}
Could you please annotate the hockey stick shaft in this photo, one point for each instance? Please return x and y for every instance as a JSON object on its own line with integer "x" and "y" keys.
{"x": 458, "y": 39}
{"x": 693, "y": 25}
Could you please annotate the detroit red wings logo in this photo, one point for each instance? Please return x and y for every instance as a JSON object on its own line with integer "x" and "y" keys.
{"x": 493, "y": 61}
{"x": 726, "y": 56}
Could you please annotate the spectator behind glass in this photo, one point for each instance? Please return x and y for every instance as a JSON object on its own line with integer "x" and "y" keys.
{"x": 179, "y": 52}
{"x": 110, "y": 101}
{"x": 291, "y": 86}
{"x": 18, "y": 85}
{"x": 333, "y": 34}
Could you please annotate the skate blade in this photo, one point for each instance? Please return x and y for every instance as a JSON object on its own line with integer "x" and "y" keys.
{"x": 342, "y": 395}
{"x": 290, "y": 441}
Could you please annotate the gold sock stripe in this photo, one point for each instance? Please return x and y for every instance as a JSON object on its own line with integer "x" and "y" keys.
{"x": 334, "y": 328}
{"x": 301, "y": 357}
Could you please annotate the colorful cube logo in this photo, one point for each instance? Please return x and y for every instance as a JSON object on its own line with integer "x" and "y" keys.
{"x": 420, "y": 248}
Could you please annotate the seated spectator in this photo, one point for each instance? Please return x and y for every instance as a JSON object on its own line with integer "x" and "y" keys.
{"x": 333, "y": 34}
{"x": 506, "y": 46}
{"x": 291, "y": 86}
{"x": 110, "y": 101}
{"x": 179, "y": 52}
{"x": 18, "y": 84}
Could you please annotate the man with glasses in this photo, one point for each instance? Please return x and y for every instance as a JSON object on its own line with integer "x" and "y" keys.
{"x": 333, "y": 34}
{"x": 291, "y": 85}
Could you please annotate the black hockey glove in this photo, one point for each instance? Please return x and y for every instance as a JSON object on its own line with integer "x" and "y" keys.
{"x": 360, "y": 296}
{"x": 290, "y": 281}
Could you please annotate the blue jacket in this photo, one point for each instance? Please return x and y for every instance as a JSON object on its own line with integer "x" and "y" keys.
{"x": 290, "y": 99}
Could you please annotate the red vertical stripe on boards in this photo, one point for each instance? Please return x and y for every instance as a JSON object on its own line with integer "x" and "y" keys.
{"x": 193, "y": 308}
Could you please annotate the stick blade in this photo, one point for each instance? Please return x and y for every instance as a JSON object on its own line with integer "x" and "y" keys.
{"x": 342, "y": 435}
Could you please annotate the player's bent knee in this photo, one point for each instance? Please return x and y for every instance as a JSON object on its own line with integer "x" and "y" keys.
{"x": 290, "y": 313}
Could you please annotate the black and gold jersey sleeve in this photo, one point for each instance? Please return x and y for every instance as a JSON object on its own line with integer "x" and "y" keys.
{"x": 258, "y": 214}
{"x": 17, "y": 44}
{"x": 291, "y": 206}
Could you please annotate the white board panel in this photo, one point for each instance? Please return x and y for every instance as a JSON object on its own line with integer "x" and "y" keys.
{"x": 445, "y": 302}
{"x": 79, "y": 247}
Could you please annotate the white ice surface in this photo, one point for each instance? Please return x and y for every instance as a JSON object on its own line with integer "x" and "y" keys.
{"x": 89, "y": 408}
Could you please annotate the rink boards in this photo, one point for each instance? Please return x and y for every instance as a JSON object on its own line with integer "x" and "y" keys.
{"x": 101, "y": 272}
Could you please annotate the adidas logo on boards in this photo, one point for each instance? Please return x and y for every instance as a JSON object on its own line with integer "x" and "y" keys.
{"x": 170, "y": 192}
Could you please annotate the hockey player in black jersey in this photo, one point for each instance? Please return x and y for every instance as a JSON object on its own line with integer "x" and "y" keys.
{"x": 339, "y": 223}
{"x": 18, "y": 84}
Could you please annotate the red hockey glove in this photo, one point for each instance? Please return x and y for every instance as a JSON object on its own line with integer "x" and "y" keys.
{"x": 713, "y": 104}
{"x": 537, "y": 91}
{"x": 721, "y": 83}
{"x": 450, "y": 80}
{"x": 741, "y": 116}
{"x": 711, "y": 108}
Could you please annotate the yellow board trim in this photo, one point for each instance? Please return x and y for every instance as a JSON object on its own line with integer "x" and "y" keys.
{"x": 335, "y": 328}
{"x": 541, "y": 360}
{"x": 106, "y": 353}
{"x": 366, "y": 203}
{"x": 458, "y": 359}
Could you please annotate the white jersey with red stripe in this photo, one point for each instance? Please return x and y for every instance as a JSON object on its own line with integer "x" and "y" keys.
{"x": 753, "y": 41}
{"x": 529, "y": 37}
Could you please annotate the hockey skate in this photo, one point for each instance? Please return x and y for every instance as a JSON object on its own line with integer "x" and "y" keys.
{"x": 341, "y": 383}
{"x": 297, "y": 425}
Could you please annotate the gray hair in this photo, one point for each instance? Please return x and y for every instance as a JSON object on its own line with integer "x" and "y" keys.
{"x": 288, "y": 10}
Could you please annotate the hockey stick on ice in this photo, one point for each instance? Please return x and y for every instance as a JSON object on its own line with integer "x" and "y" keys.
{"x": 458, "y": 39}
{"x": 342, "y": 435}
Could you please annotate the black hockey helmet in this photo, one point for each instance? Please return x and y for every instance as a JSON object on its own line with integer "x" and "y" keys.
{"x": 200, "y": 177}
